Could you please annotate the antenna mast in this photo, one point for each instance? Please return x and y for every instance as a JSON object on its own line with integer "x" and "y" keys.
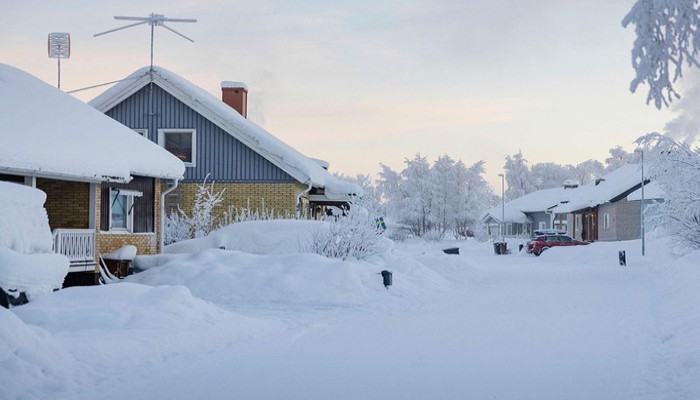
{"x": 153, "y": 20}
{"x": 59, "y": 47}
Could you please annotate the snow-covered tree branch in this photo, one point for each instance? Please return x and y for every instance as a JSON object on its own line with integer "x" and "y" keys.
{"x": 667, "y": 39}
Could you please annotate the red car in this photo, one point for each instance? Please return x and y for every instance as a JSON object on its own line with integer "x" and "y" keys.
{"x": 539, "y": 244}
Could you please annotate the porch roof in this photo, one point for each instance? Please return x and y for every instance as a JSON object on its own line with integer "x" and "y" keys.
{"x": 48, "y": 133}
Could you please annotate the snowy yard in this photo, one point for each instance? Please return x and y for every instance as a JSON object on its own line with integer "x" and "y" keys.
{"x": 570, "y": 324}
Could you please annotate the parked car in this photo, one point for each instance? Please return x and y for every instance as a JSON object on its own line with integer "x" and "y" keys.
{"x": 545, "y": 232}
{"x": 541, "y": 243}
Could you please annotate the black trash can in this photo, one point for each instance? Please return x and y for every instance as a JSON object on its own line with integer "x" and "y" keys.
{"x": 386, "y": 276}
{"x": 500, "y": 248}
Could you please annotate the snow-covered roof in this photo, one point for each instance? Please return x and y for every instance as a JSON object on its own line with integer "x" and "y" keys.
{"x": 234, "y": 85}
{"x": 46, "y": 132}
{"x": 608, "y": 187}
{"x": 539, "y": 201}
{"x": 652, "y": 190}
{"x": 300, "y": 167}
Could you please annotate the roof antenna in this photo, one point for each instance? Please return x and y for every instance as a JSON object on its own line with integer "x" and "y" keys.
{"x": 153, "y": 20}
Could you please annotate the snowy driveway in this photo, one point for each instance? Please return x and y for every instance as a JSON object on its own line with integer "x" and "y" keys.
{"x": 511, "y": 328}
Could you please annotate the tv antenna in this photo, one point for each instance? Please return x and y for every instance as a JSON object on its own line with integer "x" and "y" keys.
{"x": 153, "y": 20}
{"x": 59, "y": 47}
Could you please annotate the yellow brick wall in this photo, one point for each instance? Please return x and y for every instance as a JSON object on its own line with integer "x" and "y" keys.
{"x": 280, "y": 197}
{"x": 67, "y": 203}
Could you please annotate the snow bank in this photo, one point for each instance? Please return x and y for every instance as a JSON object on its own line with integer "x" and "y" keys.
{"x": 255, "y": 237}
{"x": 32, "y": 363}
{"x": 24, "y": 225}
{"x": 234, "y": 279}
{"x": 111, "y": 327}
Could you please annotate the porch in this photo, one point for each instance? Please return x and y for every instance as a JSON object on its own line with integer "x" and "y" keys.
{"x": 78, "y": 245}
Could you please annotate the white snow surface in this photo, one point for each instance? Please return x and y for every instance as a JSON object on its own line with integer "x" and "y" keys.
{"x": 34, "y": 274}
{"x": 47, "y": 132}
{"x": 123, "y": 253}
{"x": 302, "y": 168}
{"x": 570, "y": 324}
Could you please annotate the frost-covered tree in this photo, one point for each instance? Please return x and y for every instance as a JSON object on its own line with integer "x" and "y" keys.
{"x": 434, "y": 200}
{"x": 200, "y": 222}
{"x": 619, "y": 157}
{"x": 517, "y": 175}
{"x": 676, "y": 167}
{"x": 588, "y": 171}
{"x": 668, "y": 38}
{"x": 550, "y": 175}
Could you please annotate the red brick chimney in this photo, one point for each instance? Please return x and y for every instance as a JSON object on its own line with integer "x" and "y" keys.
{"x": 235, "y": 94}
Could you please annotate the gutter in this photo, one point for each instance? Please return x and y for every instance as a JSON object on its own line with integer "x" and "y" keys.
{"x": 161, "y": 240}
{"x": 298, "y": 199}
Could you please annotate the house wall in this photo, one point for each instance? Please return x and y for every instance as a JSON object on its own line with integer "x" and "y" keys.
{"x": 280, "y": 197}
{"x": 538, "y": 217}
{"x": 67, "y": 203}
{"x": 146, "y": 243}
{"x": 218, "y": 154}
{"x": 624, "y": 221}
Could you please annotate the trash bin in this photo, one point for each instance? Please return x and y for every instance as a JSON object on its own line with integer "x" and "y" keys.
{"x": 500, "y": 248}
{"x": 451, "y": 250}
{"x": 118, "y": 268}
{"x": 386, "y": 278}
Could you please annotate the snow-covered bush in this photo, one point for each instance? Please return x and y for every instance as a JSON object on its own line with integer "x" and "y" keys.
{"x": 201, "y": 222}
{"x": 352, "y": 235}
{"x": 244, "y": 214}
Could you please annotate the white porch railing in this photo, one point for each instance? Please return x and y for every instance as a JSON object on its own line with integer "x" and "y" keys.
{"x": 78, "y": 245}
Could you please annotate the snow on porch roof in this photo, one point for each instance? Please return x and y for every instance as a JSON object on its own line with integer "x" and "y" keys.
{"x": 46, "y": 132}
{"x": 302, "y": 168}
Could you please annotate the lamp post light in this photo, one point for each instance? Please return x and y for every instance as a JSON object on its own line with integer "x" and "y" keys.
{"x": 641, "y": 205}
{"x": 503, "y": 207}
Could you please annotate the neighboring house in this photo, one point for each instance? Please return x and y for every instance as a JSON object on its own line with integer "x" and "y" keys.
{"x": 601, "y": 210}
{"x": 527, "y": 213}
{"x": 607, "y": 209}
{"x": 217, "y": 142}
{"x": 102, "y": 181}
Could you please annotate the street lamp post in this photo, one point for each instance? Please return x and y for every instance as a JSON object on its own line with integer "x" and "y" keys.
{"x": 503, "y": 208}
{"x": 641, "y": 205}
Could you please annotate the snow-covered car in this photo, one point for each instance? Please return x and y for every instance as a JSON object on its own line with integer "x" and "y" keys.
{"x": 28, "y": 266}
{"x": 545, "y": 232}
{"x": 541, "y": 243}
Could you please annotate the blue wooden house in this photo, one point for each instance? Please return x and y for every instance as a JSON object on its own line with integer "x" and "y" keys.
{"x": 217, "y": 142}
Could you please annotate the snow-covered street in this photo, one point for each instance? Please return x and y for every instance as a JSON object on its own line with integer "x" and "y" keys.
{"x": 569, "y": 324}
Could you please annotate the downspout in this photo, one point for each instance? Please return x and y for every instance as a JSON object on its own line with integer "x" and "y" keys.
{"x": 303, "y": 192}
{"x": 162, "y": 212}
{"x": 551, "y": 218}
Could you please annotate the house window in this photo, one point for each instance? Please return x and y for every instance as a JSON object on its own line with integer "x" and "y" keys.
{"x": 121, "y": 206}
{"x": 606, "y": 221}
{"x": 142, "y": 132}
{"x": 543, "y": 225}
{"x": 181, "y": 142}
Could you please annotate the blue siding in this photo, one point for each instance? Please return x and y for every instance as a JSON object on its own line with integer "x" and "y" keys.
{"x": 219, "y": 154}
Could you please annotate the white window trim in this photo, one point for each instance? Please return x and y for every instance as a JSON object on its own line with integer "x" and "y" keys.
{"x": 142, "y": 132}
{"x": 606, "y": 221}
{"x": 130, "y": 195}
{"x": 542, "y": 225}
{"x": 161, "y": 142}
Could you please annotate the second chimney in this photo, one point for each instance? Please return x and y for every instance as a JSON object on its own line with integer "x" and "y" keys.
{"x": 235, "y": 94}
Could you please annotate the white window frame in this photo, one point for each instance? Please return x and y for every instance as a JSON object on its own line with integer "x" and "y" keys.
{"x": 542, "y": 225}
{"x": 130, "y": 195}
{"x": 142, "y": 132}
{"x": 606, "y": 221}
{"x": 161, "y": 141}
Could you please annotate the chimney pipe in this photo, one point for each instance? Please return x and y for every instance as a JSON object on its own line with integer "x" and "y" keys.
{"x": 235, "y": 94}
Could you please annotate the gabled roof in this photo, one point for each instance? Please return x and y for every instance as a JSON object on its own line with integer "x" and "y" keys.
{"x": 652, "y": 191}
{"x": 300, "y": 167}
{"x": 611, "y": 187}
{"x": 46, "y": 132}
{"x": 539, "y": 201}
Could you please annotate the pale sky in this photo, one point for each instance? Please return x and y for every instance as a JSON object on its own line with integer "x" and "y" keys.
{"x": 363, "y": 82}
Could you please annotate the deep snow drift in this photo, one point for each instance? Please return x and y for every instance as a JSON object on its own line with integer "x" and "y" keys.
{"x": 226, "y": 324}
